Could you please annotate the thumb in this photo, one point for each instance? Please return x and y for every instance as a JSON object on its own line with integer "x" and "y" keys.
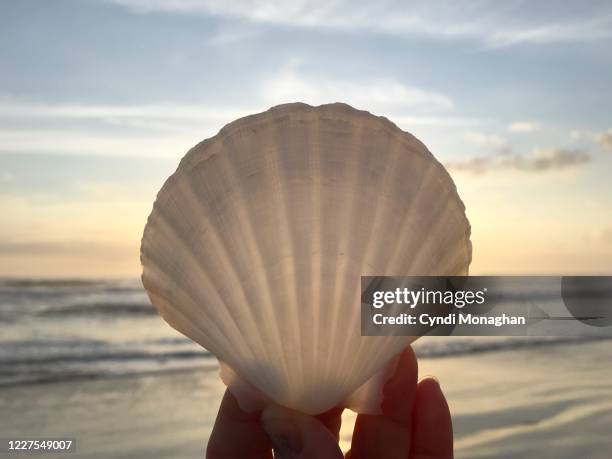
{"x": 298, "y": 436}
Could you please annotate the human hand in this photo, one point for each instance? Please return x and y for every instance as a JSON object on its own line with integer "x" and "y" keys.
{"x": 415, "y": 424}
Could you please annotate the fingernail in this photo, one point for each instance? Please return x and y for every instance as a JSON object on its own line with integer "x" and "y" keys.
{"x": 432, "y": 377}
{"x": 283, "y": 432}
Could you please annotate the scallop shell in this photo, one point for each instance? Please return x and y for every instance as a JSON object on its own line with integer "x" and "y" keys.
{"x": 256, "y": 244}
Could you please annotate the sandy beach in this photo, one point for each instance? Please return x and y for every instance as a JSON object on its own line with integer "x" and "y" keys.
{"x": 547, "y": 401}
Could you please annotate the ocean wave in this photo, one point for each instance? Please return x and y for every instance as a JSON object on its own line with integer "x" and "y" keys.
{"x": 44, "y": 361}
{"x": 25, "y": 283}
{"x": 14, "y": 345}
{"x": 101, "y": 357}
{"x": 54, "y": 287}
{"x": 21, "y": 379}
{"x": 66, "y": 366}
{"x": 452, "y": 347}
{"x": 101, "y": 308}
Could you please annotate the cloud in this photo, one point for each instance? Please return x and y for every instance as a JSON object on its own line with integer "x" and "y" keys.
{"x": 406, "y": 122}
{"x": 171, "y": 129}
{"x": 576, "y": 134}
{"x": 605, "y": 139}
{"x": 135, "y": 130}
{"x": 538, "y": 161}
{"x": 523, "y": 126}
{"x": 16, "y": 109}
{"x": 384, "y": 95}
{"x": 485, "y": 21}
{"x": 484, "y": 139}
{"x": 83, "y": 142}
{"x": 291, "y": 83}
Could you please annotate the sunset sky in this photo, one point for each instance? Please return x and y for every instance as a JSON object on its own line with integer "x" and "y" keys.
{"x": 100, "y": 99}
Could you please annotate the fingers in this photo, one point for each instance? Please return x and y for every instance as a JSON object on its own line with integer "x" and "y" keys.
{"x": 388, "y": 435}
{"x": 432, "y": 430}
{"x": 296, "y": 435}
{"x": 332, "y": 419}
{"x": 415, "y": 422}
{"x": 237, "y": 434}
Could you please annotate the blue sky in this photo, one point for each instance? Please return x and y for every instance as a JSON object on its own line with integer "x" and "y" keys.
{"x": 100, "y": 99}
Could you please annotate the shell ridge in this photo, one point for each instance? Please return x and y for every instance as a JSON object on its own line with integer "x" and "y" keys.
{"x": 403, "y": 235}
{"x": 285, "y": 227}
{"x": 252, "y": 237}
{"x": 181, "y": 315}
{"x": 389, "y": 268}
{"x": 381, "y": 355}
{"x": 445, "y": 207}
{"x": 223, "y": 257}
{"x": 343, "y": 228}
{"x": 372, "y": 222}
{"x": 357, "y": 216}
{"x": 427, "y": 247}
{"x": 377, "y": 220}
{"x": 317, "y": 245}
{"x": 181, "y": 321}
{"x": 198, "y": 262}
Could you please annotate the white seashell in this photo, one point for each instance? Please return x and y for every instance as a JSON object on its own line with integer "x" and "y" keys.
{"x": 256, "y": 244}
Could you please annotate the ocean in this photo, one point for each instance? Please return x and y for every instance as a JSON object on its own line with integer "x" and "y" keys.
{"x": 56, "y": 330}
{"x": 70, "y": 329}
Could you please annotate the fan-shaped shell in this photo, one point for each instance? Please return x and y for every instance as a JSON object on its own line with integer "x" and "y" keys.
{"x": 256, "y": 244}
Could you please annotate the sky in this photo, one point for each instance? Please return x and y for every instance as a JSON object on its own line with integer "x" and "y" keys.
{"x": 99, "y": 100}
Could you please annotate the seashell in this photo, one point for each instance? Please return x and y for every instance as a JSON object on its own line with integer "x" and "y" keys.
{"x": 256, "y": 244}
